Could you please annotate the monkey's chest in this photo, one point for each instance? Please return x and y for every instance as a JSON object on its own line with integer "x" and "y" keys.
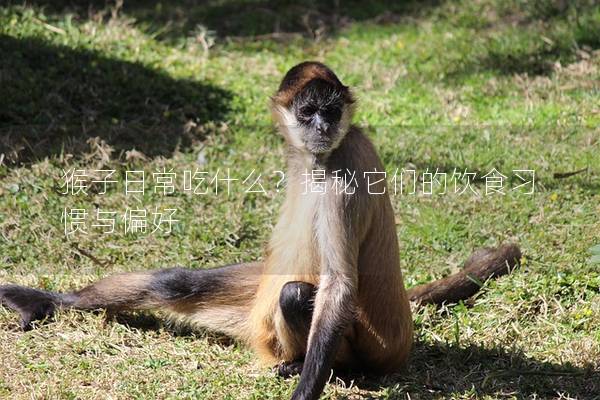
{"x": 294, "y": 252}
{"x": 294, "y": 248}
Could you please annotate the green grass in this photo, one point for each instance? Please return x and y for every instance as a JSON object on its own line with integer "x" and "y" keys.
{"x": 441, "y": 85}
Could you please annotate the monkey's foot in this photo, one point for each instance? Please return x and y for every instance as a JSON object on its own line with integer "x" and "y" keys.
{"x": 287, "y": 369}
{"x": 31, "y": 304}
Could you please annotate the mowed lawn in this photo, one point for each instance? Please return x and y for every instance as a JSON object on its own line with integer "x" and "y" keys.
{"x": 169, "y": 87}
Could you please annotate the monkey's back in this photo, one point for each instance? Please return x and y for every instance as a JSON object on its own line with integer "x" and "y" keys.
{"x": 383, "y": 328}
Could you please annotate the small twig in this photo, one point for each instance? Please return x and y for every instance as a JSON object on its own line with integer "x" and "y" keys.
{"x": 51, "y": 28}
{"x": 89, "y": 255}
{"x": 276, "y": 36}
{"x": 562, "y": 175}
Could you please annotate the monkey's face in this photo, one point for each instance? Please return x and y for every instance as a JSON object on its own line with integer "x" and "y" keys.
{"x": 313, "y": 108}
{"x": 319, "y": 111}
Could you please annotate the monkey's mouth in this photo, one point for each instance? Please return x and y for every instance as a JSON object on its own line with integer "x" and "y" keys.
{"x": 319, "y": 144}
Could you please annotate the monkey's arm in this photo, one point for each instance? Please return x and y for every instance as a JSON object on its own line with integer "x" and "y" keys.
{"x": 334, "y": 305}
{"x": 484, "y": 264}
{"x": 333, "y": 310}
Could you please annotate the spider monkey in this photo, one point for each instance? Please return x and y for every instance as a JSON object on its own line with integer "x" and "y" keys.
{"x": 329, "y": 292}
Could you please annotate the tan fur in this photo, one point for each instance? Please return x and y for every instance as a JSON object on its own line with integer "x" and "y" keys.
{"x": 121, "y": 291}
{"x": 328, "y": 240}
{"x": 319, "y": 241}
{"x": 284, "y": 263}
{"x": 225, "y": 312}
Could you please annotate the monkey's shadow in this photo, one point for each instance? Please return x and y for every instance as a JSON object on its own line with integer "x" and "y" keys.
{"x": 437, "y": 370}
{"x": 54, "y": 98}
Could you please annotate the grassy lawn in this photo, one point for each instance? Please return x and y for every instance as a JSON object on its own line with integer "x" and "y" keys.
{"x": 177, "y": 86}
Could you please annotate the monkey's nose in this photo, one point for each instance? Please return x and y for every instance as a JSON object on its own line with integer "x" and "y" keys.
{"x": 322, "y": 128}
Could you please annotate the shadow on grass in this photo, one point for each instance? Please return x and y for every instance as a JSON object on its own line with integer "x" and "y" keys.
{"x": 150, "y": 322}
{"x": 54, "y": 98}
{"x": 246, "y": 18}
{"x": 562, "y": 32}
{"x": 438, "y": 370}
{"x": 539, "y": 59}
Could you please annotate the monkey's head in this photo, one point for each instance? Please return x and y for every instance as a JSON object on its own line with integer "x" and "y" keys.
{"x": 313, "y": 108}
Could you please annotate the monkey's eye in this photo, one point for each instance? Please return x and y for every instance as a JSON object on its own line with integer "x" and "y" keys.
{"x": 332, "y": 113}
{"x": 308, "y": 111}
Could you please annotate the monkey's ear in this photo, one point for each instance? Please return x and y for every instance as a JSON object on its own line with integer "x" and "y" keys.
{"x": 280, "y": 114}
{"x": 280, "y": 99}
{"x": 348, "y": 95}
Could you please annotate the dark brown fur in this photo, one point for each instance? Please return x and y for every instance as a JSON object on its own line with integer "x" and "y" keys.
{"x": 298, "y": 76}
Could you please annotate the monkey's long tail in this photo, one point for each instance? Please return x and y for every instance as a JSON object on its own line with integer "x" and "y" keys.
{"x": 219, "y": 299}
{"x": 483, "y": 264}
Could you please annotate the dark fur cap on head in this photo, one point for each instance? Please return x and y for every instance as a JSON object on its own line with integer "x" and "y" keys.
{"x": 300, "y": 75}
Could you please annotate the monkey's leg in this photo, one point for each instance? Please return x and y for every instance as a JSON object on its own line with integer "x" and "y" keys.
{"x": 217, "y": 299}
{"x": 296, "y": 303}
{"x": 293, "y": 324}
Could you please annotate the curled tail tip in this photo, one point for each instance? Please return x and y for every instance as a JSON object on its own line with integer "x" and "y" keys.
{"x": 485, "y": 263}
{"x": 512, "y": 254}
{"x": 510, "y": 250}
{"x": 490, "y": 262}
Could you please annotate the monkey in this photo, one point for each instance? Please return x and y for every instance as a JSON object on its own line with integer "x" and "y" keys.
{"x": 329, "y": 292}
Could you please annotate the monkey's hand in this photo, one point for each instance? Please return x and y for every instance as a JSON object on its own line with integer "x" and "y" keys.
{"x": 31, "y": 304}
{"x": 287, "y": 369}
